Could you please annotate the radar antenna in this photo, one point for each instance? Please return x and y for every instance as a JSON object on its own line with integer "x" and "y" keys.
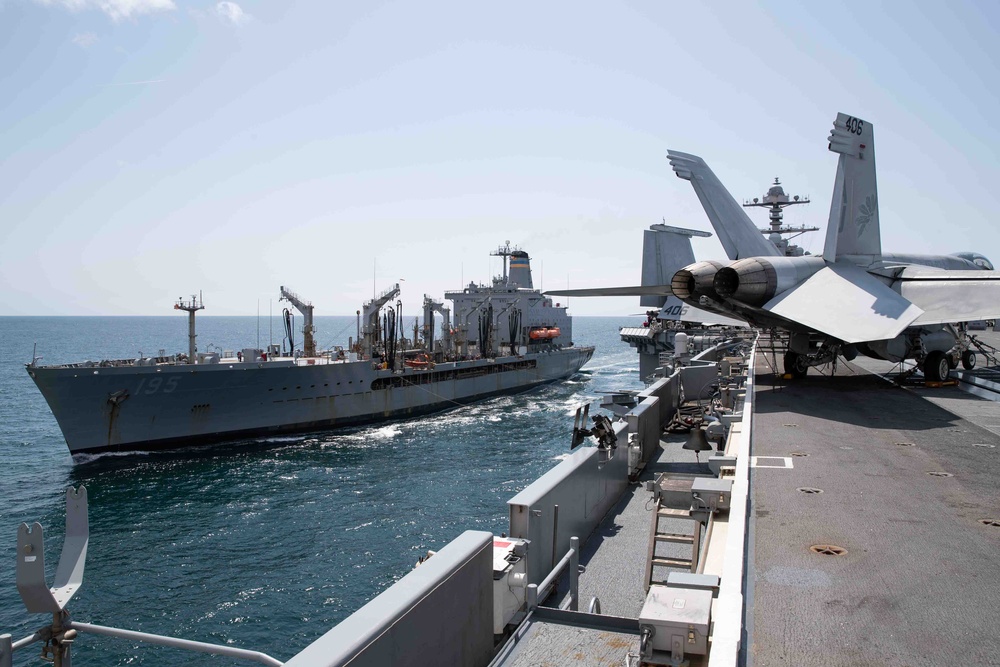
{"x": 505, "y": 251}
{"x": 775, "y": 201}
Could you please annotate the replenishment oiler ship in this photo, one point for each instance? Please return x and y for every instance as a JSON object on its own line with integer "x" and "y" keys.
{"x": 504, "y": 337}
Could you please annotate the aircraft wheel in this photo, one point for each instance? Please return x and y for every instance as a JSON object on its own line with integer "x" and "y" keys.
{"x": 796, "y": 365}
{"x": 936, "y": 367}
{"x": 968, "y": 360}
{"x": 952, "y": 361}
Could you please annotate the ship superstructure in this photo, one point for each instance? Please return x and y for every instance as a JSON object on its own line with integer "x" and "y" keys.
{"x": 504, "y": 337}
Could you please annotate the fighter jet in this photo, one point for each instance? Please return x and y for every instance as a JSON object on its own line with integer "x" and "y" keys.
{"x": 854, "y": 299}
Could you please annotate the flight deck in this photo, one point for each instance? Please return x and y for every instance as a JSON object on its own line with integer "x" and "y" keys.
{"x": 873, "y": 536}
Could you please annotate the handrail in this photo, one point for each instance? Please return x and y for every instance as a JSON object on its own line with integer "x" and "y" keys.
{"x": 571, "y": 559}
{"x": 202, "y": 647}
{"x": 729, "y": 608}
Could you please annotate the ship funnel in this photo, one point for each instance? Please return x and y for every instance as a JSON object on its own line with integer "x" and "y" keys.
{"x": 520, "y": 269}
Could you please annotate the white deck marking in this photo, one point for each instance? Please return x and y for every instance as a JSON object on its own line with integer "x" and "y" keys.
{"x": 755, "y": 462}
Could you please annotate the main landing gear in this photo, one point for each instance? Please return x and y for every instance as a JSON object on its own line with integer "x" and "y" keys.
{"x": 796, "y": 365}
{"x": 938, "y": 365}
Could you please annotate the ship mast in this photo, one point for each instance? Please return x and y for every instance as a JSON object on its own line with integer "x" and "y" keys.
{"x": 194, "y": 305}
{"x": 775, "y": 201}
{"x": 504, "y": 251}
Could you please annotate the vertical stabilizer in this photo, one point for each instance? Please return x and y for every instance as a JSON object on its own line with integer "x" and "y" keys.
{"x": 853, "y": 227}
{"x": 665, "y": 251}
{"x": 737, "y": 233}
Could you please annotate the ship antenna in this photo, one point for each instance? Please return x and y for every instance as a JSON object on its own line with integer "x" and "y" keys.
{"x": 504, "y": 251}
{"x": 775, "y": 200}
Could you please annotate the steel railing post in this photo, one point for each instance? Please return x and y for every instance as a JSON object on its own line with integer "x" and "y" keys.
{"x": 574, "y": 573}
{"x": 6, "y": 651}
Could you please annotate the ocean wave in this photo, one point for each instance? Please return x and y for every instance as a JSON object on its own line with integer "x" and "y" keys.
{"x": 89, "y": 458}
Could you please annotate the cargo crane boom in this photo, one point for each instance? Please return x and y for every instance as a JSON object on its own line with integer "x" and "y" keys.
{"x": 370, "y": 332}
{"x": 430, "y": 307}
{"x": 306, "y": 308}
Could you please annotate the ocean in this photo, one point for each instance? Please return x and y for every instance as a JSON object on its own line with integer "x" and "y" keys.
{"x": 263, "y": 544}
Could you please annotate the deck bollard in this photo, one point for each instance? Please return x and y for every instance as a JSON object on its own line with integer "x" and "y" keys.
{"x": 531, "y": 597}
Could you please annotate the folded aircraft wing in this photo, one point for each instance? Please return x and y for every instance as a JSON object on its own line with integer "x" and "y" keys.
{"x": 635, "y": 290}
{"x": 948, "y": 296}
{"x": 846, "y": 302}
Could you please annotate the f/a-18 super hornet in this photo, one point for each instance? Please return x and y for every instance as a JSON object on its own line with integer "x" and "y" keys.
{"x": 854, "y": 299}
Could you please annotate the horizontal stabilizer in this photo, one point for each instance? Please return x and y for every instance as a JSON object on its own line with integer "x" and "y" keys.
{"x": 845, "y": 302}
{"x": 636, "y": 290}
{"x": 739, "y": 237}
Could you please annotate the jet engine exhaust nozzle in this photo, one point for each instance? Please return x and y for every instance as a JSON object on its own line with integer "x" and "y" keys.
{"x": 749, "y": 281}
{"x": 696, "y": 280}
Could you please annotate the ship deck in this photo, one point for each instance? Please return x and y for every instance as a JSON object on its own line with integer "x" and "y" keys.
{"x": 906, "y": 476}
{"x": 914, "y": 583}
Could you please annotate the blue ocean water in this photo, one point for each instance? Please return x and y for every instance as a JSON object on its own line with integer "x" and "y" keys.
{"x": 266, "y": 544}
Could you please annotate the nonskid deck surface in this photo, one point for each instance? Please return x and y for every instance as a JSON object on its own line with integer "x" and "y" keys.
{"x": 904, "y": 486}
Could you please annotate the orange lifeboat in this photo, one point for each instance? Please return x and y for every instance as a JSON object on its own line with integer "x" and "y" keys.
{"x": 553, "y": 332}
{"x": 539, "y": 334}
{"x": 420, "y": 361}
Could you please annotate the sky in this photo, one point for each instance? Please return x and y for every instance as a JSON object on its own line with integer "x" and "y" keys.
{"x": 151, "y": 149}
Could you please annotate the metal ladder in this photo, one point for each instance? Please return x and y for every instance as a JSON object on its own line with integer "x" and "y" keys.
{"x": 656, "y": 537}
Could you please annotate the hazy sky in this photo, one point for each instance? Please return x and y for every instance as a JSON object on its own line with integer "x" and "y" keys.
{"x": 153, "y": 148}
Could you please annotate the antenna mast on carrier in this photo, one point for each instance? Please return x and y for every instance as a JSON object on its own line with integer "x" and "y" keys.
{"x": 775, "y": 200}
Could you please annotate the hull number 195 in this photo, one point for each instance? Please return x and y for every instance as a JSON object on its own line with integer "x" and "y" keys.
{"x": 156, "y": 384}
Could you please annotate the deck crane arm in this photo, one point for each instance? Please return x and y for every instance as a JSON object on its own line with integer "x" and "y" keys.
{"x": 371, "y": 308}
{"x": 430, "y": 307}
{"x": 370, "y": 332}
{"x": 308, "y": 330}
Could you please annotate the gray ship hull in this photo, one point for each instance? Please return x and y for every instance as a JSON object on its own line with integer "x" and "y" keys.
{"x": 125, "y": 408}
